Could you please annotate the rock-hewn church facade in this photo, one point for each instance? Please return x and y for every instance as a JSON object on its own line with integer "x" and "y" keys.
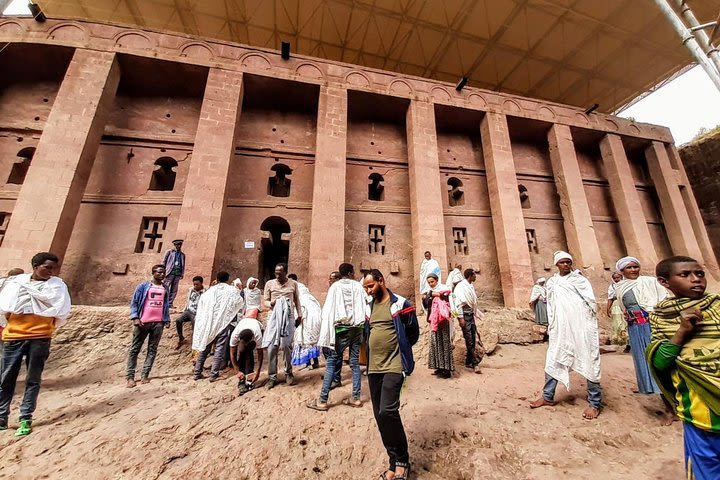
{"x": 115, "y": 141}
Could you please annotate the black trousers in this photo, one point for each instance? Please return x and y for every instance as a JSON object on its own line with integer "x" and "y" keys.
{"x": 470, "y": 334}
{"x": 385, "y": 396}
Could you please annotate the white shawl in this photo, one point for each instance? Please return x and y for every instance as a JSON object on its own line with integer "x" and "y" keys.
{"x": 464, "y": 294}
{"x": 47, "y": 299}
{"x": 217, "y": 307}
{"x": 574, "y": 341}
{"x": 648, "y": 292}
{"x": 344, "y": 306}
{"x": 426, "y": 268}
{"x": 538, "y": 293}
{"x": 454, "y": 278}
{"x": 307, "y": 333}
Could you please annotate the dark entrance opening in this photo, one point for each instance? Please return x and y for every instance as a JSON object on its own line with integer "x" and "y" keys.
{"x": 275, "y": 246}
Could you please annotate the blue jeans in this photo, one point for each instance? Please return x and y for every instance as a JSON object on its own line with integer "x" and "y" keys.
{"x": 594, "y": 397}
{"x": 350, "y": 338}
{"x": 35, "y": 352}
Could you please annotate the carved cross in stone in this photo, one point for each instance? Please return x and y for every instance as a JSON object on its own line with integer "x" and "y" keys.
{"x": 459, "y": 241}
{"x": 153, "y": 235}
{"x": 532, "y": 241}
{"x": 377, "y": 238}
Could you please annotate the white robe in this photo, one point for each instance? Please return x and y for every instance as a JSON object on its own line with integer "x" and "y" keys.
{"x": 47, "y": 299}
{"x": 217, "y": 307}
{"x": 307, "y": 333}
{"x": 574, "y": 341}
{"x": 464, "y": 294}
{"x": 344, "y": 305}
{"x": 426, "y": 268}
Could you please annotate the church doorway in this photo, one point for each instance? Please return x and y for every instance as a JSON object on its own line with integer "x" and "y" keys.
{"x": 274, "y": 246}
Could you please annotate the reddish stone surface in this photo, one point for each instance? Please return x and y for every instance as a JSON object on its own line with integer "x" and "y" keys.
{"x": 334, "y": 126}
{"x": 327, "y": 232}
{"x": 204, "y": 202}
{"x": 510, "y": 236}
{"x": 44, "y": 214}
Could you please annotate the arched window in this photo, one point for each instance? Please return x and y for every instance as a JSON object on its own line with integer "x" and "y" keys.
{"x": 376, "y": 190}
{"x": 456, "y": 196}
{"x": 279, "y": 184}
{"x": 524, "y": 196}
{"x": 21, "y": 165}
{"x": 163, "y": 177}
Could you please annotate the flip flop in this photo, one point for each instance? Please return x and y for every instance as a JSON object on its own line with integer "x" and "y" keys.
{"x": 315, "y": 405}
{"x": 352, "y": 403}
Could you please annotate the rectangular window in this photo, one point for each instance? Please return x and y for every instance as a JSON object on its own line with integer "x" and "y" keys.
{"x": 150, "y": 238}
{"x": 376, "y": 240}
{"x": 460, "y": 240}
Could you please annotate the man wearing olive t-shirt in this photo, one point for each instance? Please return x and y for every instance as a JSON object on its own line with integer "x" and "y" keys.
{"x": 392, "y": 330}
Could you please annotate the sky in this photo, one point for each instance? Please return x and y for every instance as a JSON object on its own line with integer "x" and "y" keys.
{"x": 685, "y": 105}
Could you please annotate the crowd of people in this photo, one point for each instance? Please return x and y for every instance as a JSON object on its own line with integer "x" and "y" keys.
{"x": 672, "y": 326}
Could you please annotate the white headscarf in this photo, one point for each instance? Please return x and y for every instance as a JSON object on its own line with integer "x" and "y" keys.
{"x": 253, "y": 296}
{"x": 560, "y": 255}
{"x": 624, "y": 262}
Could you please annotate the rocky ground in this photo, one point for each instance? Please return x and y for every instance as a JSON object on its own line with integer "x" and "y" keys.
{"x": 88, "y": 425}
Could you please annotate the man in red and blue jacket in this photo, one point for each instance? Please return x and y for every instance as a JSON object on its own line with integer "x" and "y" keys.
{"x": 392, "y": 330}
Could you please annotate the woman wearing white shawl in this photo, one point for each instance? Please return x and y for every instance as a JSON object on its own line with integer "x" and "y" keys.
{"x": 436, "y": 303}
{"x": 217, "y": 307}
{"x": 305, "y": 348}
{"x": 637, "y": 295}
{"x": 538, "y": 301}
{"x": 574, "y": 342}
{"x": 429, "y": 265}
{"x": 253, "y": 298}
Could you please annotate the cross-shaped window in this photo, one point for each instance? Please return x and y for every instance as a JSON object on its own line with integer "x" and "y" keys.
{"x": 376, "y": 241}
{"x": 151, "y": 234}
{"x": 4, "y": 220}
{"x": 532, "y": 241}
{"x": 460, "y": 241}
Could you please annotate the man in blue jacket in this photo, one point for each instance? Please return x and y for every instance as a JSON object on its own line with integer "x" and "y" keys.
{"x": 392, "y": 330}
{"x": 150, "y": 313}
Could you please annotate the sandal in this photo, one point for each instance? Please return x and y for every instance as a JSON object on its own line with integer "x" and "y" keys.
{"x": 352, "y": 403}
{"x": 405, "y": 474}
{"x": 383, "y": 476}
{"x": 315, "y": 405}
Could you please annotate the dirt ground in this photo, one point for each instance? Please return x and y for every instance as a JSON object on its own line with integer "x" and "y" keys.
{"x": 89, "y": 425}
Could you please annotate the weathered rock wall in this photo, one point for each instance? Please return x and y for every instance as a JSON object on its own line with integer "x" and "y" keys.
{"x": 702, "y": 163}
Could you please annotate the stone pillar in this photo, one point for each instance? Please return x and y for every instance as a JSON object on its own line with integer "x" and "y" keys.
{"x": 426, "y": 205}
{"x": 516, "y": 275}
{"x": 675, "y": 217}
{"x": 633, "y": 226}
{"x": 205, "y": 198}
{"x": 694, "y": 215}
{"x": 327, "y": 225}
{"x": 49, "y": 200}
{"x": 579, "y": 229}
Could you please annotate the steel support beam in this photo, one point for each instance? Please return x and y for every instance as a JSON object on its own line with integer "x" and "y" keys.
{"x": 689, "y": 41}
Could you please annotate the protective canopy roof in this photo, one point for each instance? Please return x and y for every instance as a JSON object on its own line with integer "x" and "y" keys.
{"x": 577, "y": 52}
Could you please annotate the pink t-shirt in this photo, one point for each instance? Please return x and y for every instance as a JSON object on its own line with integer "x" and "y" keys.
{"x": 153, "y": 308}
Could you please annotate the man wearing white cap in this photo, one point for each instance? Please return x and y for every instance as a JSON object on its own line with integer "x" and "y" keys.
{"x": 574, "y": 341}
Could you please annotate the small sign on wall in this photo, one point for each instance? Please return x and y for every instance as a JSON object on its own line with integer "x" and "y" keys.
{"x": 249, "y": 245}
